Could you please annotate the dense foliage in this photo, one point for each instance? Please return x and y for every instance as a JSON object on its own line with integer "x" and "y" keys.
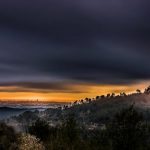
{"x": 127, "y": 131}
{"x": 8, "y": 137}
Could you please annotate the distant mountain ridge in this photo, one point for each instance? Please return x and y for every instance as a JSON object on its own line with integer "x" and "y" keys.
{"x": 14, "y": 109}
{"x": 11, "y": 108}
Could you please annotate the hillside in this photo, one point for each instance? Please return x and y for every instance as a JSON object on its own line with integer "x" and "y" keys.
{"x": 102, "y": 109}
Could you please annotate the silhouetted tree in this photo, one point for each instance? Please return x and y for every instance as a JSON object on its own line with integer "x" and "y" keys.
{"x": 102, "y": 96}
{"x": 147, "y": 90}
{"x": 82, "y": 101}
{"x": 65, "y": 107}
{"x": 97, "y": 97}
{"x": 108, "y": 95}
{"x": 75, "y": 102}
{"x": 138, "y": 91}
{"x": 123, "y": 94}
{"x": 112, "y": 95}
{"x": 90, "y": 100}
{"x": 86, "y": 99}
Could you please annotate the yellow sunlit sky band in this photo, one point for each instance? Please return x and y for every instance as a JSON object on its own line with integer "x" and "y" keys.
{"x": 62, "y": 96}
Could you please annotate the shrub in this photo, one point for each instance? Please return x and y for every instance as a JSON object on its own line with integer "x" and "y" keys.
{"x": 30, "y": 142}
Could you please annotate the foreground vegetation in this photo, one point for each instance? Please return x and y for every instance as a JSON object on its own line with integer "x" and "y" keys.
{"x": 127, "y": 130}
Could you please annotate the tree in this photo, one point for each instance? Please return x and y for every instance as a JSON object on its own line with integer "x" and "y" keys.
{"x": 147, "y": 90}
{"x": 123, "y": 94}
{"x": 112, "y": 95}
{"x": 86, "y": 99}
{"x": 8, "y": 137}
{"x": 40, "y": 129}
{"x": 108, "y": 95}
{"x": 102, "y": 96}
{"x": 82, "y": 101}
{"x": 75, "y": 102}
{"x": 70, "y": 129}
{"x": 97, "y": 97}
{"x": 30, "y": 142}
{"x": 138, "y": 91}
{"x": 90, "y": 100}
{"x": 127, "y": 130}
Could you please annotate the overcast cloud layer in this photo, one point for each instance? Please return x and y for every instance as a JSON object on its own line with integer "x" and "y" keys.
{"x": 43, "y": 42}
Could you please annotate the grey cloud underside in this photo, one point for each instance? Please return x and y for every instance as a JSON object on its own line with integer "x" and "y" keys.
{"x": 82, "y": 41}
{"x": 39, "y": 87}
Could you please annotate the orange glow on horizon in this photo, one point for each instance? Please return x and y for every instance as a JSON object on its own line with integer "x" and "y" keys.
{"x": 86, "y": 91}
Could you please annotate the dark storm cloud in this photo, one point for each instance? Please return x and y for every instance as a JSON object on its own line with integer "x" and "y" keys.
{"x": 103, "y": 42}
{"x": 40, "y": 87}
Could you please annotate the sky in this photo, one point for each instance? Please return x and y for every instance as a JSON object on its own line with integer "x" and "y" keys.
{"x": 63, "y": 50}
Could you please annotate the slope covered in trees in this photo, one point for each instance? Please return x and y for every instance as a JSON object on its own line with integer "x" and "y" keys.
{"x": 102, "y": 108}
